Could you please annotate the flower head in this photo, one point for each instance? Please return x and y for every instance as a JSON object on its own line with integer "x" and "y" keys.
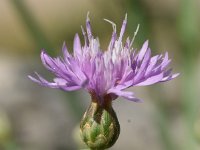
{"x": 105, "y": 75}
{"x": 107, "y": 72}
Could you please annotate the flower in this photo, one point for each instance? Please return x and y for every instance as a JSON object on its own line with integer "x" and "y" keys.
{"x": 107, "y": 72}
{"x": 105, "y": 75}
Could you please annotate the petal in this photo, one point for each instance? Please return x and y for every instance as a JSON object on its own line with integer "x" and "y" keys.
{"x": 60, "y": 81}
{"x": 42, "y": 81}
{"x": 143, "y": 50}
{"x": 144, "y": 65}
{"x": 77, "y": 46}
{"x": 165, "y": 61}
{"x": 152, "y": 64}
{"x": 70, "y": 88}
{"x": 65, "y": 51}
{"x": 60, "y": 69}
{"x": 151, "y": 80}
{"x": 47, "y": 61}
{"x": 127, "y": 95}
{"x": 124, "y": 85}
{"x": 75, "y": 68}
{"x": 64, "y": 85}
{"x": 170, "y": 77}
{"x": 34, "y": 79}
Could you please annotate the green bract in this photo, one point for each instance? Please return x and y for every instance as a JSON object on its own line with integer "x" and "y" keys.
{"x": 99, "y": 127}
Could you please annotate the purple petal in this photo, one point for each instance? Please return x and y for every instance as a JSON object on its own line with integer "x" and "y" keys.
{"x": 125, "y": 94}
{"x": 151, "y": 80}
{"x": 34, "y": 79}
{"x": 124, "y": 85}
{"x": 170, "y": 77}
{"x": 165, "y": 61}
{"x": 88, "y": 27}
{"x": 152, "y": 64}
{"x": 143, "y": 50}
{"x": 65, "y": 51}
{"x": 123, "y": 28}
{"x": 47, "y": 61}
{"x": 143, "y": 66}
{"x": 64, "y": 85}
{"x": 42, "y": 81}
{"x": 77, "y": 46}
{"x": 60, "y": 81}
{"x": 70, "y": 88}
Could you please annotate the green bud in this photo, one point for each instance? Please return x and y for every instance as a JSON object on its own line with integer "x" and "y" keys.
{"x": 99, "y": 126}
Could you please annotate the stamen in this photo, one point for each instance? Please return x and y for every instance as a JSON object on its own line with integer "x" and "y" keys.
{"x": 123, "y": 28}
{"x": 135, "y": 33}
{"x": 88, "y": 27}
{"x": 84, "y": 35}
{"x": 113, "y": 25}
{"x": 114, "y": 34}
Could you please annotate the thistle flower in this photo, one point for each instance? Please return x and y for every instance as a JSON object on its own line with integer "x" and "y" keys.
{"x": 105, "y": 75}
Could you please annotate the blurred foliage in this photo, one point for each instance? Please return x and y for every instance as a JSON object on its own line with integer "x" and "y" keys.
{"x": 31, "y": 24}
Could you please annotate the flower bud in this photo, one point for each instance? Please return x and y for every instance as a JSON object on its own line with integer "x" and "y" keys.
{"x": 99, "y": 127}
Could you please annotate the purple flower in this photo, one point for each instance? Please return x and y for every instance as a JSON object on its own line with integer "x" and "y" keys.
{"x": 105, "y": 73}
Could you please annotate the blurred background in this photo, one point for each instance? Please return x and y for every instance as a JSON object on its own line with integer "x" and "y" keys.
{"x": 37, "y": 118}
